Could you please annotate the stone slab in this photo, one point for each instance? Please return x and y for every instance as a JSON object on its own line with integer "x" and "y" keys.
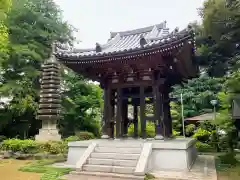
{"x": 203, "y": 169}
{"x": 100, "y": 176}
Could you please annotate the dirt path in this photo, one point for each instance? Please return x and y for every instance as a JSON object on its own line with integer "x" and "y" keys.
{"x": 9, "y": 170}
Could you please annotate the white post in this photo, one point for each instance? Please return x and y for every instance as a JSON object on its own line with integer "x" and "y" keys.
{"x": 182, "y": 115}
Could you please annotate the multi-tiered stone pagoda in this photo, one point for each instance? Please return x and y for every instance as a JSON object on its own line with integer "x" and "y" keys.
{"x": 50, "y": 102}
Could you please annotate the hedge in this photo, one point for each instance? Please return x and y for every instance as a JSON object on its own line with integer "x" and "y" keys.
{"x": 18, "y": 145}
{"x": 29, "y": 146}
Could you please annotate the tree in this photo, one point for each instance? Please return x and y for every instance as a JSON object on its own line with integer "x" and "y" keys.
{"x": 197, "y": 94}
{"x": 221, "y": 25}
{"x": 33, "y": 26}
{"x": 4, "y": 8}
{"x": 82, "y": 103}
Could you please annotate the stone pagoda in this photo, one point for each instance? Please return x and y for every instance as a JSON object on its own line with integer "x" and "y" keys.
{"x": 50, "y": 102}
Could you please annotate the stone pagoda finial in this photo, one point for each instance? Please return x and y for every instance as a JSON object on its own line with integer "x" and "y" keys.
{"x": 50, "y": 100}
{"x": 52, "y": 57}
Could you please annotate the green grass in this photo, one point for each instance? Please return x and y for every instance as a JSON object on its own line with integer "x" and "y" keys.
{"x": 226, "y": 171}
{"x": 49, "y": 172}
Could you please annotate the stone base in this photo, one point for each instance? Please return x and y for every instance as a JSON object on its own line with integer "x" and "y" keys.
{"x": 48, "y": 135}
{"x": 158, "y": 137}
{"x": 104, "y": 136}
{"x": 173, "y": 154}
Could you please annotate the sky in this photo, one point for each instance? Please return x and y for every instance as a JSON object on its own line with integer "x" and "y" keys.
{"x": 95, "y": 19}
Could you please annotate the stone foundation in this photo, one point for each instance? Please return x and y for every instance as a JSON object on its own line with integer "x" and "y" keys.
{"x": 48, "y": 135}
{"x": 173, "y": 154}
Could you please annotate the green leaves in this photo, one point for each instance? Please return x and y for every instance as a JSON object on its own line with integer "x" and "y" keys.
{"x": 197, "y": 94}
{"x": 219, "y": 41}
{"x": 82, "y": 102}
{"x": 33, "y": 25}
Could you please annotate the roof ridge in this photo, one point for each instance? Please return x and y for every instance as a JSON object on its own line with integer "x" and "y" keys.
{"x": 161, "y": 25}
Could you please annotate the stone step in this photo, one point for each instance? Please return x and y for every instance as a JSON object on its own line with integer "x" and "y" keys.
{"x": 111, "y": 175}
{"x": 115, "y": 156}
{"x": 121, "y": 145}
{"x": 123, "y": 150}
{"x": 113, "y": 162}
{"x": 108, "y": 169}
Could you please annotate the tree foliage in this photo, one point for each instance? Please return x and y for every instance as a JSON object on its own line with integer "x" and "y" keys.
{"x": 197, "y": 94}
{"x": 33, "y": 26}
{"x": 221, "y": 26}
{"x": 4, "y": 8}
{"x": 82, "y": 103}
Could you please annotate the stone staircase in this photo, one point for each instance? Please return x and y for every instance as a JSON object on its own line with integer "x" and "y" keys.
{"x": 116, "y": 159}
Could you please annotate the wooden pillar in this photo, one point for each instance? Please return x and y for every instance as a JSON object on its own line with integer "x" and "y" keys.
{"x": 105, "y": 126}
{"x": 167, "y": 115}
{"x": 125, "y": 118}
{"x": 157, "y": 100}
{"x": 119, "y": 113}
{"x": 142, "y": 113}
{"x": 112, "y": 114}
{"x": 135, "y": 120}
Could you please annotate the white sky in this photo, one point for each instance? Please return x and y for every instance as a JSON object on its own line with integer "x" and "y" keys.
{"x": 95, "y": 19}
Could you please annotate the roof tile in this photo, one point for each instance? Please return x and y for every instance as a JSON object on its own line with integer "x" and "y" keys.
{"x": 128, "y": 41}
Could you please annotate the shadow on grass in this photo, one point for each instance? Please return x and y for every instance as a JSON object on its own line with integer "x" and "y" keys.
{"x": 44, "y": 167}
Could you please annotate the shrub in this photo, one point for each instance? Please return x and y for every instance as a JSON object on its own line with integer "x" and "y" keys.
{"x": 2, "y": 138}
{"x": 190, "y": 129}
{"x": 214, "y": 140}
{"x": 203, "y": 147}
{"x": 175, "y": 133}
{"x": 54, "y": 147}
{"x": 202, "y": 135}
{"x": 72, "y": 138}
{"x": 17, "y": 145}
{"x": 84, "y": 135}
{"x": 150, "y": 129}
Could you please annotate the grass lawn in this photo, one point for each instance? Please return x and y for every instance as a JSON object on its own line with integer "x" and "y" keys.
{"x": 229, "y": 174}
{"x": 9, "y": 170}
{"x": 12, "y": 169}
{"x": 224, "y": 171}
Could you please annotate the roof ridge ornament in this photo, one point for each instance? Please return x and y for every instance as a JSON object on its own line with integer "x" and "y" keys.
{"x": 142, "y": 41}
{"x": 98, "y": 48}
{"x": 176, "y": 30}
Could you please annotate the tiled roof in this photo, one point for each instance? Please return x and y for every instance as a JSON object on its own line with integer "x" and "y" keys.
{"x": 129, "y": 41}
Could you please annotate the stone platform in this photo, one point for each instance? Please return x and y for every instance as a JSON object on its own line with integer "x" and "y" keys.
{"x": 46, "y": 134}
{"x": 203, "y": 169}
{"x": 132, "y": 158}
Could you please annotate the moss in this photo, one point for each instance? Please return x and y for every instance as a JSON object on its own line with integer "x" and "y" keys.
{"x": 149, "y": 177}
